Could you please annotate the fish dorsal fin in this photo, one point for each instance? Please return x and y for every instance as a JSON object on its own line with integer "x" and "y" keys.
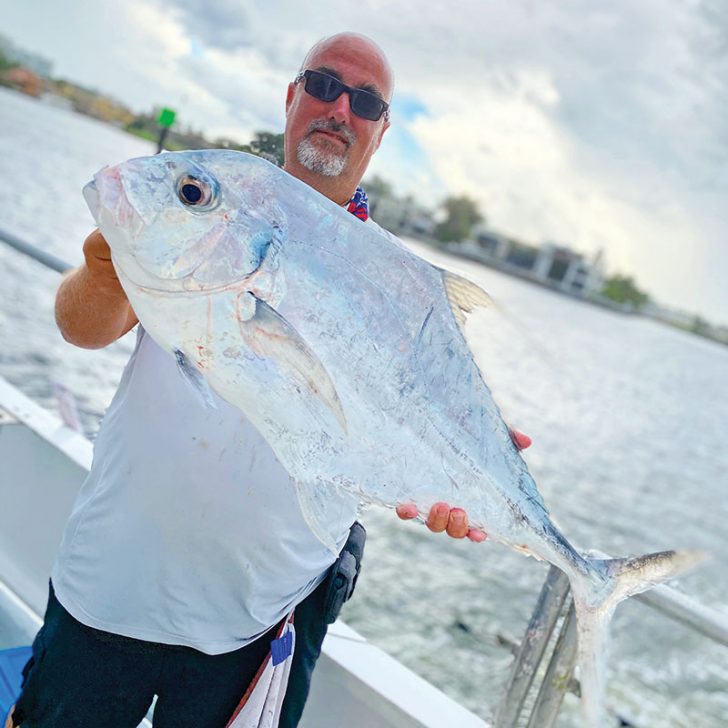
{"x": 464, "y": 297}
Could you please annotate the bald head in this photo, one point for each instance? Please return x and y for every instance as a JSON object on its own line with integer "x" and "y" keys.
{"x": 368, "y": 50}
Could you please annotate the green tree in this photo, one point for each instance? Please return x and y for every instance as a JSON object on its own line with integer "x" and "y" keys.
{"x": 6, "y": 63}
{"x": 462, "y": 216}
{"x": 378, "y": 188}
{"x": 623, "y": 289}
{"x": 700, "y": 326}
{"x": 269, "y": 145}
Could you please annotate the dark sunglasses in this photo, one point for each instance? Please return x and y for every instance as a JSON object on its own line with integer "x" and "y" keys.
{"x": 328, "y": 88}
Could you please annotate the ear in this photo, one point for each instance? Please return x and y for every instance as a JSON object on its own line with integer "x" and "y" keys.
{"x": 385, "y": 126}
{"x": 289, "y": 95}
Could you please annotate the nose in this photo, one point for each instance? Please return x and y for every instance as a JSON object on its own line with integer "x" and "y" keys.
{"x": 339, "y": 109}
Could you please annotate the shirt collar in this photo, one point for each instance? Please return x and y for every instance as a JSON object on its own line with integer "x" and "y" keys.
{"x": 358, "y": 205}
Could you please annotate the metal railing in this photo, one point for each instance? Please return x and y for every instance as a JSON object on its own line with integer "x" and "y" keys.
{"x": 47, "y": 259}
{"x": 554, "y": 604}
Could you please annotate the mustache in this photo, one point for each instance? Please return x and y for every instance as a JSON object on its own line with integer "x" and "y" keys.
{"x": 333, "y": 126}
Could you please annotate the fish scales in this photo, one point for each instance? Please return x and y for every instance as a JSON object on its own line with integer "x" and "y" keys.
{"x": 346, "y": 351}
{"x": 400, "y": 374}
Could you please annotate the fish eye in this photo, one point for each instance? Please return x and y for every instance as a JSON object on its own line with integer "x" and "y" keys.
{"x": 197, "y": 192}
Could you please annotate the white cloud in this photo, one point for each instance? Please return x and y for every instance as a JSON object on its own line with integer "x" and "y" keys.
{"x": 536, "y": 179}
{"x": 158, "y": 35}
{"x": 596, "y": 125}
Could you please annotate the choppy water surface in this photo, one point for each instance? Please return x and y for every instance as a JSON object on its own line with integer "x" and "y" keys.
{"x": 629, "y": 420}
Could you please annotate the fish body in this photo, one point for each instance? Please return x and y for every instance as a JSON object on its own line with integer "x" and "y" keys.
{"x": 345, "y": 350}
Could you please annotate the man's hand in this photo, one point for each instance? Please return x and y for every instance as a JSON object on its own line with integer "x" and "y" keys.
{"x": 455, "y": 520}
{"x": 97, "y": 253}
{"x": 92, "y": 309}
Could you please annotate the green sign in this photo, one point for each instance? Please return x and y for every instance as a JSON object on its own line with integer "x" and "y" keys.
{"x": 166, "y": 117}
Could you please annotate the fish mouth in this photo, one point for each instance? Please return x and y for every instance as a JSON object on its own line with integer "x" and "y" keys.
{"x": 91, "y": 195}
{"x": 108, "y": 202}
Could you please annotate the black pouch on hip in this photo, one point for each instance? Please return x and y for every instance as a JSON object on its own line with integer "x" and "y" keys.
{"x": 342, "y": 576}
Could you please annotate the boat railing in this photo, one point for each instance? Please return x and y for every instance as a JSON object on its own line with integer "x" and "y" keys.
{"x": 547, "y": 652}
{"x": 553, "y": 624}
{"x": 42, "y": 256}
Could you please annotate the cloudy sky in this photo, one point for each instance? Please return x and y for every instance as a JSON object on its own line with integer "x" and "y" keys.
{"x": 595, "y": 125}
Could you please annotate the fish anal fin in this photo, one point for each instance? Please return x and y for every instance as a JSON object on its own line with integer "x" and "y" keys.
{"x": 326, "y": 510}
{"x": 464, "y": 296}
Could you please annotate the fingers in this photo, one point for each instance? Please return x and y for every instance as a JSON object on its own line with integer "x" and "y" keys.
{"x": 520, "y": 440}
{"x": 96, "y": 246}
{"x": 99, "y": 265}
{"x": 97, "y": 253}
{"x": 443, "y": 518}
{"x": 454, "y": 521}
{"x": 407, "y": 511}
{"x": 438, "y": 518}
{"x": 457, "y": 523}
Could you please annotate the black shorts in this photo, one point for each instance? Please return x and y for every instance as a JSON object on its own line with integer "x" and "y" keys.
{"x": 83, "y": 677}
{"x": 80, "y": 676}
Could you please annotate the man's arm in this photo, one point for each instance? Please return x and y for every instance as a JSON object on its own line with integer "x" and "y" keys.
{"x": 92, "y": 309}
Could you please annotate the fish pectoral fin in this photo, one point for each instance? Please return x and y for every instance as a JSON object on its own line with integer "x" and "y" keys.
{"x": 327, "y": 510}
{"x": 269, "y": 335}
{"x": 194, "y": 378}
{"x": 464, "y": 296}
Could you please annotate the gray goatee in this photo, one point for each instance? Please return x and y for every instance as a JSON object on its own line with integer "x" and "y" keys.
{"x": 324, "y": 161}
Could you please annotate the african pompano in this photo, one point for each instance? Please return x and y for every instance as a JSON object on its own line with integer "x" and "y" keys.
{"x": 345, "y": 350}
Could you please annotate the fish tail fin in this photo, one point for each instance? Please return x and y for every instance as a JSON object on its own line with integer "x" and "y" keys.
{"x": 616, "y": 579}
{"x": 596, "y": 594}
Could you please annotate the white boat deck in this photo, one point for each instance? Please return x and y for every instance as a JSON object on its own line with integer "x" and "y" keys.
{"x": 42, "y": 464}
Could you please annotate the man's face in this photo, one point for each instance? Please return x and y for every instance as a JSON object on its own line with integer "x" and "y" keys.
{"x": 326, "y": 144}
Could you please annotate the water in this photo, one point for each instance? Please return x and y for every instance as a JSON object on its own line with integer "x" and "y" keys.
{"x": 629, "y": 420}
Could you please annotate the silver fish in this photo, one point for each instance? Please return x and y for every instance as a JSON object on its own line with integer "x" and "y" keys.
{"x": 346, "y": 351}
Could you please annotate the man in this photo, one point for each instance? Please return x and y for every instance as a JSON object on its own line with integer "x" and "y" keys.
{"x": 185, "y": 547}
